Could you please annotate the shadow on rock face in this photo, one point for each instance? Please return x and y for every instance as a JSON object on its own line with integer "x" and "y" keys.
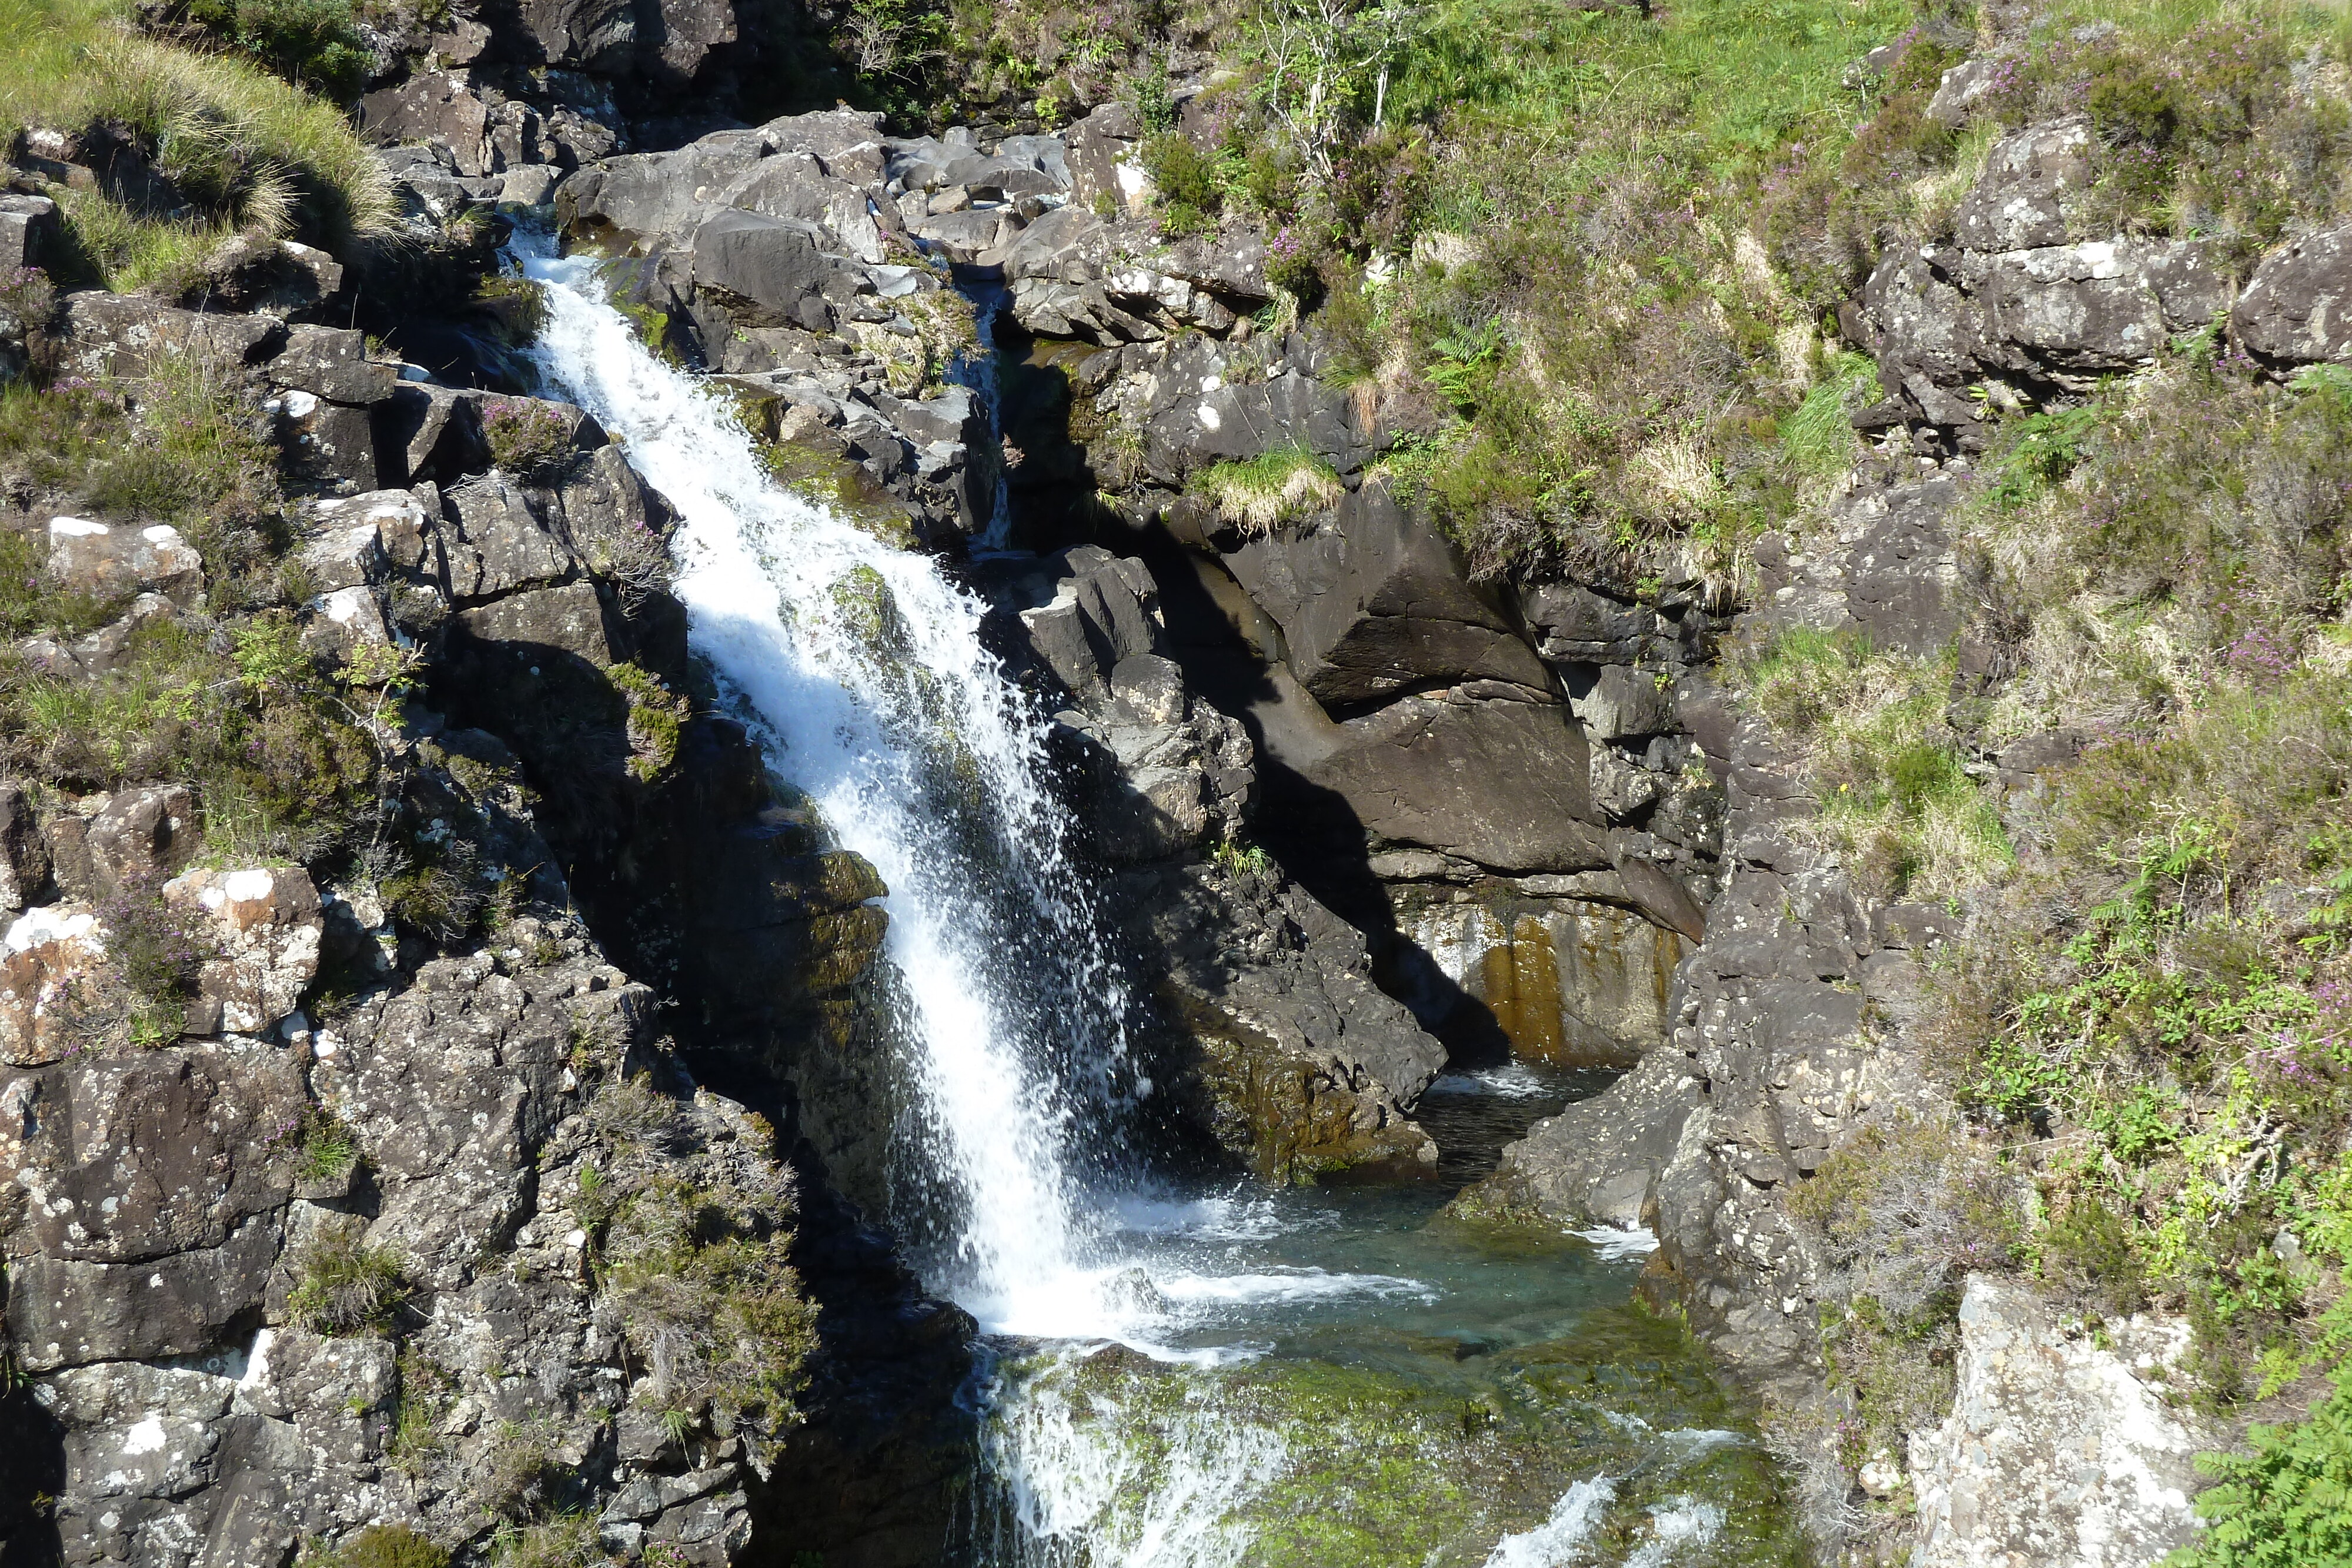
{"x": 1312, "y": 833}
{"x": 33, "y": 1472}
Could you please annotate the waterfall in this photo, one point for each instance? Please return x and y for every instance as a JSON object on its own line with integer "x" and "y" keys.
{"x": 1282, "y": 1338}
{"x": 860, "y": 668}
{"x": 984, "y": 373}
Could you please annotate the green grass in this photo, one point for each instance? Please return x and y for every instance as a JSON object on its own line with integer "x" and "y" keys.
{"x": 380, "y": 1546}
{"x": 1275, "y": 487}
{"x": 1817, "y": 439}
{"x": 251, "y": 153}
{"x": 1896, "y": 800}
{"x": 709, "y": 1302}
{"x": 1720, "y": 87}
{"x": 342, "y": 1285}
{"x": 1627, "y": 377}
{"x": 1622, "y": 380}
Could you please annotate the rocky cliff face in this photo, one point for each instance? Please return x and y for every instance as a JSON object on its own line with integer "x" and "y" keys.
{"x": 1449, "y": 835}
{"x": 350, "y": 1183}
{"x": 421, "y": 1169}
{"x": 1796, "y": 1024}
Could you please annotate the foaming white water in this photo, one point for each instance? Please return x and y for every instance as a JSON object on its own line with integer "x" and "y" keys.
{"x": 1677, "y": 1526}
{"x": 1229, "y": 1218}
{"x": 1084, "y": 1488}
{"x": 1513, "y": 1080}
{"x": 1615, "y": 1243}
{"x": 1291, "y": 1285}
{"x": 863, "y": 667}
{"x": 1559, "y": 1540}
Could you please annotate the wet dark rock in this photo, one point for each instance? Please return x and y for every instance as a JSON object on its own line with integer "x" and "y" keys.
{"x": 1271, "y": 1031}
{"x": 1574, "y": 624}
{"x": 443, "y": 108}
{"x": 273, "y": 278}
{"x": 596, "y": 35}
{"x": 1374, "y": 604}
{"x": 1767, "y": 1063}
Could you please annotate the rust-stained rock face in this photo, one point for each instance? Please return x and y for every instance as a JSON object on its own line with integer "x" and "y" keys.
{"x": 1575, "y": 983}
{"x": 49, "y": 956}
{"x": 260, "y": 927}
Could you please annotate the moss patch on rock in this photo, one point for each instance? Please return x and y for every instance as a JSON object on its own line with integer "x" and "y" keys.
{"x": 1393, "y": 1457}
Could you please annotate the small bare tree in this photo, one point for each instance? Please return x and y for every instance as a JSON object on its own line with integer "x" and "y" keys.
{"x": 888, "y": 37}
{"x": 1318, "y": 54}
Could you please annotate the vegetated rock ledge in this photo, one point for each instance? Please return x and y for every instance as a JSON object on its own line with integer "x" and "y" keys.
{"x": 1794, "y": 1022}
{"x": 355, "y": 1216}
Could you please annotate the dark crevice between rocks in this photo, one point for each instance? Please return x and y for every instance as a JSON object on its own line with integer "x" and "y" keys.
{"x": 32, "y": 1472}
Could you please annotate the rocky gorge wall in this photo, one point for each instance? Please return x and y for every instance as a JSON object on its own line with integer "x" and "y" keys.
{"x": 499, "y": 560}
{"x": 1362, "y": 815}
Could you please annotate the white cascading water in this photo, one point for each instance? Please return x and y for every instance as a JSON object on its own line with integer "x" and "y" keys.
{"x": 860, "y": 666}
{"x": 864, "y": 666}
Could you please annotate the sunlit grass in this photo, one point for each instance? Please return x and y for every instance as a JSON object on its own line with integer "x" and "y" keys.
{"x": 250, "y": 152}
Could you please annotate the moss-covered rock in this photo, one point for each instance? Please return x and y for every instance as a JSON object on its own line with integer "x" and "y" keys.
{"x": 1401, "y": 1455}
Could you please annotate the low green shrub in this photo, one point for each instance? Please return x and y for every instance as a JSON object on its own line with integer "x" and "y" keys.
{"x": 656, "y": 718}
{"x": 2090, "y": 1258}
{"x": 1905, "y": 1213}
{"x": 629, "y": 1110}
{"x": 1896, "y": 796}
{"x": 2157, "y": 1005}
{"x": 1184, "y": 182}
{"x": 342, "y": 1285}
{"x": 710, "y": 1302}
{"x": 1237, "y": 859}
{"x": 437, "y": 891}
{"x": 325, "y": 1148}
{"x": 315, "y": 44}
{"x": 2286, "y": 1502}
{"x": 527, "y": 438}
{"x": 158, "y": 952}
{"x": 569, "y": 1540}
{"x": 380, "y": 1546}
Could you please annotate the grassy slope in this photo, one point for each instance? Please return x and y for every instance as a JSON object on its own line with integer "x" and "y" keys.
{"x": 2154, "y": 1012}
{"x": 246, "y": 151}
{"x": 1629, "y": 233}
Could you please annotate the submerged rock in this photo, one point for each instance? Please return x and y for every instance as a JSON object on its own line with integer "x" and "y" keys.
{"x": 1419, "y": 1451}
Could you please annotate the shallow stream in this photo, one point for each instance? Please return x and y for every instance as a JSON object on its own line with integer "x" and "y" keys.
{"x": 1176, "y": 1379}
{"x": 1345, "y": 1375}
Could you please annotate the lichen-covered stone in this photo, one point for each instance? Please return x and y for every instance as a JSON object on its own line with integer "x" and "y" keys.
{"x": 2060, "y": 1450}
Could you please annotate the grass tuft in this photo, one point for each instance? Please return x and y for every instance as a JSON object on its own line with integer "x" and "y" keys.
{"x": 1264, "y": 493}
{"x": 342, "y": 1285}
{"x": 245, "y": 151}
